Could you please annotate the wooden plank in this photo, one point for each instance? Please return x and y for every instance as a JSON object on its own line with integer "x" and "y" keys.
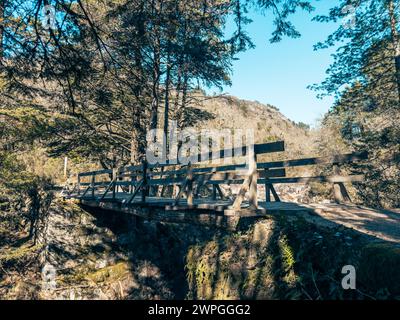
{"x": 226, "y": 181}
{"x": 199, "y": 184}
{"x": 243, "y": 151}
{"x": 96, "y": 184}
{"x": 242, "y": 192}
{"x": 222, "y": 176}
{"x": 218, "y": 208}
{"x": 130, "y": 175}
{"x": 223, "y": 168}
{"x": 272, "y": 173}
{"x": 111, "y": 185}
{"x": 253, "y": 198}
{"x": 214, "y": 192}
{"x": 340, "y": 193}
{"x": 93, "y": 184}
{"x": 87, "y": 189}
{"x": 249, "y": 184}
{"x": 130, "y": 169}
{"x": 165, "y": 182}
{"x": 339, "y": 159}
{"x": 139, "y": 186}
{"x": 84, "y": 184}
{"x": 268, "y": 192}
{"x": 227, "y": 153}
{"x": 331, "y": 179}
{"x": 79, "y": 185}
{"x": 267, "y": 185}
{"x": 145, "y": 187}
{"x": 97, "y": 172}
{"x": 189, "y": 193}
{"x": 181, "y": 189}
{"x": 115, "y": 178}
{"x": 262, "y": 148}
{"x": 274, "y": 193}
{"x": 222, "y": 154}
{"x": 182, "y": 169}
{"x": 220, "y": 192}
{"x": 126, "y": 183}
{"x": 214, "y": 179}
{"x": 211, "y": 169}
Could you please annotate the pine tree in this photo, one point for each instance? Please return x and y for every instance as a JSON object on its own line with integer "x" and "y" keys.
{"x": 364, "y": 78}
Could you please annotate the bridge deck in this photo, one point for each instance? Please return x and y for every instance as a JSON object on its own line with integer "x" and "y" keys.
{"x": 381, "y": 224}
{"x": 167, "y": 203}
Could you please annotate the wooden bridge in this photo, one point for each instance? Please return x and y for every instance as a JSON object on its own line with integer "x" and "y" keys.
{"x": 197, "y": 190}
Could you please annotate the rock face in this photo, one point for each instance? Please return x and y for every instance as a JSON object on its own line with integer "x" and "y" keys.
{"x": 285, "y": 257}
{"x": 103, "y": 255}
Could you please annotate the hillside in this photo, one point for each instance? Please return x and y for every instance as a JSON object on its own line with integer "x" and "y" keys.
{"x": 268, "y": 122}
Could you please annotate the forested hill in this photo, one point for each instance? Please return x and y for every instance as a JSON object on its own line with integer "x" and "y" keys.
{"x": 268, "y": 122}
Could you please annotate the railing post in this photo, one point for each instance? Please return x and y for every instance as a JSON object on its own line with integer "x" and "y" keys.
{"x": 114, "y": 179}
{"x": 253, "y": 178}
{"x": 214, "y": 192}
{"x": 79, "y": 185}
{"x": 267, "y": 187}
{"x": 190, "y": 185}
{"x": 132, "y": 186}
{"x": 339, "y": 190}
{"x": 93, "y": 183}
{"x": 145, "y": 186}
{"x": 249, "y": 184}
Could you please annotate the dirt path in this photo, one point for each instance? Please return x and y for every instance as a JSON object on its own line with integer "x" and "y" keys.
{"x": 381, "y": 224}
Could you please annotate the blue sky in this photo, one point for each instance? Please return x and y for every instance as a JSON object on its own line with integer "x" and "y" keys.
{"x": 279, "y": 73}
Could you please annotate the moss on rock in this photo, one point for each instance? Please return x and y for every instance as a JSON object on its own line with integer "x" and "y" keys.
{"x": 292, "y": 259}
{"x": 379, "y": 268}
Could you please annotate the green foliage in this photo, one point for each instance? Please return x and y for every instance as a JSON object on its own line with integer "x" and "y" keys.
{"x": 287, "y": 254}
{"x": 371, "y": 29}
{"x": 365, "y": 77}
{"x": 96, "y": 83}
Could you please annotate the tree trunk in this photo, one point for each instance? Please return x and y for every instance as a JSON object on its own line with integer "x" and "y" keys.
{"x": 34, "y": 214}
{"x": 166, "y": 108}
{"x": 137, "y": 142}
{"x": 155, "y": 88}
{"x": 138, "y": 145}
{"x": 2, "y": 9}
{"x": 396, "y": 43}
{"x": 181, "y": 114}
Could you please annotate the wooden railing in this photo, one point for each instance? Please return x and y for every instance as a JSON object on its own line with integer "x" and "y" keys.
{"x": 144, "y": 180}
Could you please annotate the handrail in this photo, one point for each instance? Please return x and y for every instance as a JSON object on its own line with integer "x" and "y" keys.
{"x": 97, "y": 172}
{"x": 261, "y": 148}
{"x": 337, "y": 159}
{"x": 190, "y": 178}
